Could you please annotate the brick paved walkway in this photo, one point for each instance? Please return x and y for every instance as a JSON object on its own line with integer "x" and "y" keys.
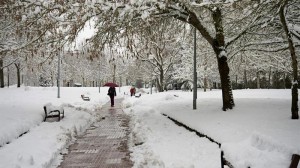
{"x": 104, "y": 145}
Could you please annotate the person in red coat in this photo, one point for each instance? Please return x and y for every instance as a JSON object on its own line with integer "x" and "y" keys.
{"x": 132, "y": 91}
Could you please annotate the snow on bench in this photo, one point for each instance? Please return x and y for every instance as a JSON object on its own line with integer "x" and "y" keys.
{"x": 53, "y": 111}
{"x": 137, "y": 96}
{"x": 85, "y": 98}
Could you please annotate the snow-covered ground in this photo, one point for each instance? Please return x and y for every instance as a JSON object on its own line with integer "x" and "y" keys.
{"x": 258, "y": 132}
{"x": 22, "y": 111}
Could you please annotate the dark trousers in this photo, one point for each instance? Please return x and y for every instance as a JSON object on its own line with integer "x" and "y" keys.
{"x": 112, "y": 100}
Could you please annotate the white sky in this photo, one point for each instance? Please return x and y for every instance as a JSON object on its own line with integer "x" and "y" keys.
{"x": 87, "y": 32}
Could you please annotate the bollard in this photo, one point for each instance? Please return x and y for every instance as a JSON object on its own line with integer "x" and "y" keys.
{"x": 222, "y": 159}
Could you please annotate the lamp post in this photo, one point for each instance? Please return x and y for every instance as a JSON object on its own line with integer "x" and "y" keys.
{"x": 120, "y": 84}
{"x": 151, "y": 87}
{"x": 195, "y": 75}
{"x": 114, "y": 73}
{"x": 99, "y": 74}
{"x": 58, "y": 75}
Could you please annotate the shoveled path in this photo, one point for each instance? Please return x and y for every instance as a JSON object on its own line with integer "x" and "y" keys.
{"x": 104, "y": 145}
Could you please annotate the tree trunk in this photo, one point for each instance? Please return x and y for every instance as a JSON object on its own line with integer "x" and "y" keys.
{"x": 52, "y": 79}
{"x": 284, "y": 83}
{"x": 294, "y": 107}
{"x": 220, "y": 51}
{"x": 8, "y": 77}
{"x": 257, "y": 79}
{"x": 223, "y": 67}
{"x": 160, "y": 81}
{"x": 1, "y": 74}
{"x": 236, "y": 81}
{"x": 114, "y": 74}
{"x": 269, "y": 84}
{"x": 159, "y": 89}
{"x": 18, "y": 74}
{"x": 245, "y": 79}
{"x": 205, "y": 83}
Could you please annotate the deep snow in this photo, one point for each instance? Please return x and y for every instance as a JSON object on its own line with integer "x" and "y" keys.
{"x": 258, "y": 132}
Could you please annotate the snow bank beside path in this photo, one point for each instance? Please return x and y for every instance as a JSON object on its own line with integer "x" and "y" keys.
{"x": 22, "y": 111}
{"x": 158, "y": 142}
{"x": 42, "y": 144}
{"x": 22, "y": 108}
{"x": 258, "y": 132}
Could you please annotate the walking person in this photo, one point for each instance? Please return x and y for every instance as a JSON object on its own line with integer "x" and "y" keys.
{"x": 112, "y": 93}
{"x": 132, "y": 91}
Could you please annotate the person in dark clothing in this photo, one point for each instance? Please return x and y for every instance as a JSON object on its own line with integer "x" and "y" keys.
{"x": 112, "y": 93}
{"x": 132, "y": 91}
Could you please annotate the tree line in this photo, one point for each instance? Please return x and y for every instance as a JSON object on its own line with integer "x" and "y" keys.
{"x": 234, "y": 38}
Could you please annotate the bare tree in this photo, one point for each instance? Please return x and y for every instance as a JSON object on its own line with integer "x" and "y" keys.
{"x": 271, "y": 38}
{"x": 219, "y": 22}
{"x": 288, "y": 33}
{"x": 159, "y": 47}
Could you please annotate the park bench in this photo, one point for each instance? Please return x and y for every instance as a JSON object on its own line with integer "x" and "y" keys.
{"x": 139, "y": 95}
{"x": 85, "y": 98}
{"x": 53, "y": 111}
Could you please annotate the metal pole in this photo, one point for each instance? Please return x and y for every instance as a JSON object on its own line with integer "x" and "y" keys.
{"x": 114, "y": 74}
{"x": 58, "y": 75}
{"x": 99, "y": 74}
{"x": 195, "y": 74}
{"x": 151, "y": 87}
{"x": 120, "y": 84}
